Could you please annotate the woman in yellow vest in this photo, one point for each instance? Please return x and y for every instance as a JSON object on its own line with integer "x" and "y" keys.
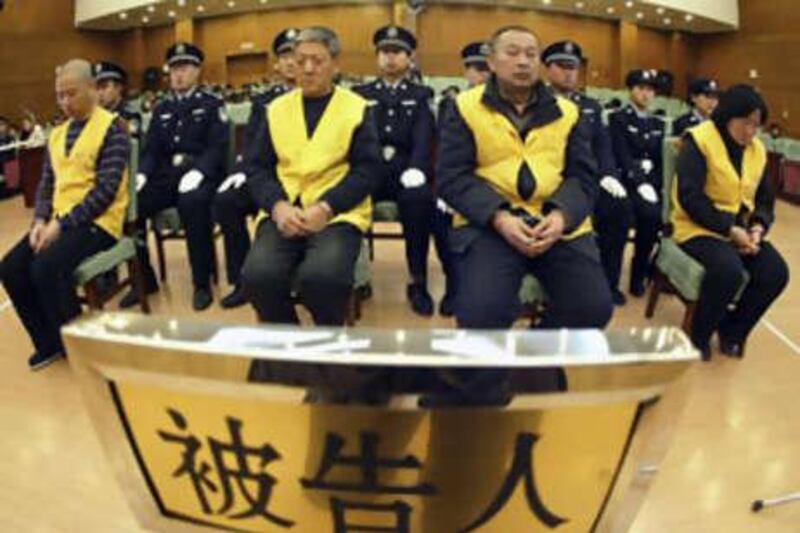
{"x": 80, "y": 209}
{"x": 516, "y": 163}
{"x": 312, "y": 166}
{"x": 722, "y": 209}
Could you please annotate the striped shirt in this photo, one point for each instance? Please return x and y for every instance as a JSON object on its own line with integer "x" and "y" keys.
{"x": 111, "y": 163}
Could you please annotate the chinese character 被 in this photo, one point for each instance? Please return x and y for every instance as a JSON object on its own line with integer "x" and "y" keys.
{"x": 369, "y": 464}
{"x": 254, "y": 485}
{"x": 521, "y": 468}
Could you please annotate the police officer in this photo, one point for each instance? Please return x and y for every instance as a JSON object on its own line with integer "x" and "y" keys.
{"x": 233, "y": 202}
{"x": 703, "y": 95}
{"x": 523, "y": 205}
{"x": 112, "y": 81}
{"x": 406, "y": 127}
{"x": 637, "y": 137}
{"x": 563, "y": 60}
{"x": 183, "y": 161}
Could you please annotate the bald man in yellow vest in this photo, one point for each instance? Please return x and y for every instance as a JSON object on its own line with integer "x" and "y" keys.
{"x": 516, "y": 164}
{"x": 80, "y": 210}
{"x": 312, "y": 167}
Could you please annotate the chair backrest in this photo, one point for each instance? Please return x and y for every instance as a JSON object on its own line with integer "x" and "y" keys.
{"x": 670, "y": 150}
{"x": 133, "y": 169}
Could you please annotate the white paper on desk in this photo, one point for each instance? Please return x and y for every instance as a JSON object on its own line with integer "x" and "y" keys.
{"x": 471, "y": 346}
{"x": 254, "y": 337}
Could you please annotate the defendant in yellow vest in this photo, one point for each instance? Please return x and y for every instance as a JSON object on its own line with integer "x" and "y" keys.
{"x": 722, "y": 207}
{"x": 516, "y": 163}
{"x": 80, "y": 209}
{"x": 312, "y": 167}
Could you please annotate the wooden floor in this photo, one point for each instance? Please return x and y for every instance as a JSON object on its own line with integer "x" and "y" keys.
{"x": 738, "y": 440}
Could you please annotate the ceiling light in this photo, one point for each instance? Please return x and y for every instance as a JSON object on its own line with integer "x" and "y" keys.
{"x": 547, "y": 2}
{"x": 151, "y": 9}
{"x": 181, "y": 3}
{"x": 171, "y": 14}
{"x": 629, "y": 4}
{"x": 201, "y": 9}
{"x": 123, "y": 15}
{"x": 145, "y": 20}
{"x": 579, "y": 5}
{"x": 689, "y": 17}
{"x": 640, "y": 15}
{"x": 231, "y": 4}
{"x": 610, "y": 10}
{"x": 660, "y": 10}
{"x": 667, "y": 21}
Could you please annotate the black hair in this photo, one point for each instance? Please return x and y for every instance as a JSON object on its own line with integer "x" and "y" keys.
{"x": 739, "y": 101}
{"x": 505, "y": 29}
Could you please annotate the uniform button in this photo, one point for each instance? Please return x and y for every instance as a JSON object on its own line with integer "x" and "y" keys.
{"x": 177, "y": 138}
{"x": 391, "y": 112}
{"x": 388, "y": 129}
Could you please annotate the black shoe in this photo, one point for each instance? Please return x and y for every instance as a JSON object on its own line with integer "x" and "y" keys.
{"x": 364, "y": 292}
{"x": 637, "y": 288}
{"x": 617, "y": 297}
{"x": 236, "y": 298}
{"x": 132, "y": 298}
{"x": 38, "y": 361}
{"x": 731, "y": 348}
{"x": 201, "y": 299}
{"x": 420, "y": 299}
{"x": 447, "y": 305}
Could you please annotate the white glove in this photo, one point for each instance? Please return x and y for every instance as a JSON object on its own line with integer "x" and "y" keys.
{"x": 647, "y": 192}
{"x": 190, "y": 181}
{"x": 413, "y": 177}
{"x": 647, "y": 166}
{"x": 612, "y": 186}
{"x": 141, "y": 181}
{"x": 234, "y": 180}
{"x": 443, "y": 207}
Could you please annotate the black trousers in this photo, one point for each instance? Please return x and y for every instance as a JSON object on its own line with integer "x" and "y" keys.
{"x": 320, "y": 266}
{"x": 231, "y": 209}
{"x": 41, "y": 286}
{"x": 194, "y": 208}
{"x": 417, "y": 207}
{"x": 613, "y": 219}
{"x": 490, "y": 272}
{"x": 725, "y": 267}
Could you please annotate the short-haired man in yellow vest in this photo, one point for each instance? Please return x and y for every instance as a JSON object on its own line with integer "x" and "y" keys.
{"x": 516, "y": 164}
{"x": 312, "y": 166}
{"x": 80, "y": 210}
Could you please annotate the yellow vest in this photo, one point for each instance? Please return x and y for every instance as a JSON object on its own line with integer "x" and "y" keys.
{"x": 501, "y": 152}
{"x": 308, "y": 168}
{"x": 75, "y": 174}
{"x": 724, "y": 187}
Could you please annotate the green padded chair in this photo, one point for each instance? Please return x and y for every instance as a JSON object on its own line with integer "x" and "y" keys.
{"x": 124, "y": 251}
{"x": 676, "y": 272}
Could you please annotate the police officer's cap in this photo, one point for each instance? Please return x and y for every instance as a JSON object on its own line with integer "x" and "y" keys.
{"x": 395, "y": 36}
{"x": 105, "y": 70}
{"x": 563, "y": 52}
{"x": 647, "y": 77}
{"x": 285, "y": 41}
{"x": 475, "y": 54}
{"x": 184, "y": 53}
{"x": 704, "y": 86}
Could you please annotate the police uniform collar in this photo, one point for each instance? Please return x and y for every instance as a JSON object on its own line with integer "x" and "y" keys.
{"x": 697, "y": 114}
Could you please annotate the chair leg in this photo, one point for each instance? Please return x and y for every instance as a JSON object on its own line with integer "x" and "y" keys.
{"x": 136, "y": 274}
{"x": 162, "y": 263}
{"x": 688, "y": 317}
{"x": 371, "y": 244}
{"x": 93, "y": 298}
{"x": 656, "y": 287}
{"x": 352, "y": 310}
